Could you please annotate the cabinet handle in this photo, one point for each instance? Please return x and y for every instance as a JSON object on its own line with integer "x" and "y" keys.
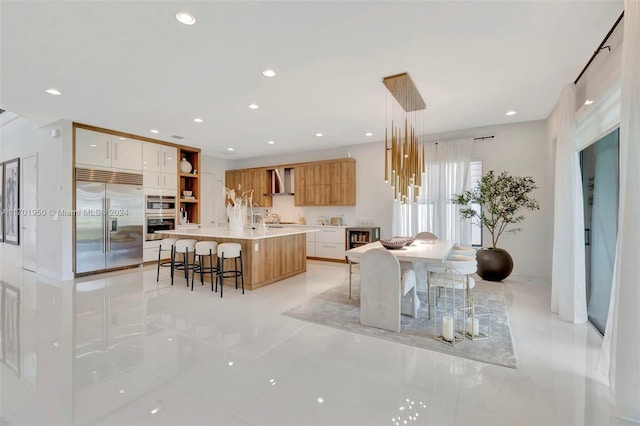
{"x": 158, "y": 181}
{"x": 106, "y": 146}
{"x": 164, "y": 181}
{"x": 115, "y": 151}
{"x": 157, "y": 158}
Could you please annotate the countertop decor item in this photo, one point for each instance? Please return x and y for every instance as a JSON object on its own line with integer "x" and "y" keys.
{"x": 502, "y": 198}
{"x": 237, "y": 203}
{"x": 393, "y": 243}
{"x": 185, "y": 166}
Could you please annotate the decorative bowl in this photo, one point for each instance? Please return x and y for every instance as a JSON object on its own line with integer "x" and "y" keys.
{"x": 187, "y": 193}
{"x": 393, "y": 243}
{"x": 407, "y": 240}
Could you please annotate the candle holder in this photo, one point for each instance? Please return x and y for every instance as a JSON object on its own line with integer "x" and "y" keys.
{"x": 449, "y": 326}
{"x": 477, "y": 326}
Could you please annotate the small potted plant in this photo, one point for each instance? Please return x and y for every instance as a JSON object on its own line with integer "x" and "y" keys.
{"x": 502, "y": 198}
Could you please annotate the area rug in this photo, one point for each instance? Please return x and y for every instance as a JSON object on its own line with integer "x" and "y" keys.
{"x": 333, "y": 308}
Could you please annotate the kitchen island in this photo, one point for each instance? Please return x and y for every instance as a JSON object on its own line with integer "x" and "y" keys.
{"x": 268, "y": 255}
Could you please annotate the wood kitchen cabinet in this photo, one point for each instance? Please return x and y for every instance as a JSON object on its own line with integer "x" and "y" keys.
{"x": 326, "y": 183}
{"x": 257, "y": 179}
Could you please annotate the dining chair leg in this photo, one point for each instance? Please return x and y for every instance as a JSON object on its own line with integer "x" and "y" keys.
{"x": 350, "y": 266}
{"x": 241, "y": 273}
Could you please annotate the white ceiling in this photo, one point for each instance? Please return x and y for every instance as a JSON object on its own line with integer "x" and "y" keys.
{"x": 131, "y": 66}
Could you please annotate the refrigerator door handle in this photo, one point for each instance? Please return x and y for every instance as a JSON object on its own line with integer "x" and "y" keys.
{"x": 104, "y": 225}
{"x": 108, "y": 224}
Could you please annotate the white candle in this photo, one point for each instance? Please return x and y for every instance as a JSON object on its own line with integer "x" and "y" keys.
{"x": 447, "y": 328}
{"x": 473, "y": 328}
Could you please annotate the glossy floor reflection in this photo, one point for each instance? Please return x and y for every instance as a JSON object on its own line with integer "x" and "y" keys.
{"x": 121, "y": 349}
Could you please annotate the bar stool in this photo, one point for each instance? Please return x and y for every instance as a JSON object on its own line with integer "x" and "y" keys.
{"x": 184, "y": 247}
{"x": 229, "y": 251}
{"x": 203, "y": 249}
{"x": 166, "y": 244}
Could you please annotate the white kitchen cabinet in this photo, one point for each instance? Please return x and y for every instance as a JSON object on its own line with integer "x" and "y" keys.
{"x": 107, "y": 151}
{"x": 150, "y": 250}
{"x": 159, "y": 180}
{"x": 329, "y": 243}
{"x": 330, "y": 250}
{"x": 93, "y": 148}
{"x": 159, "y": 158}
{"x": 311, "y": 244}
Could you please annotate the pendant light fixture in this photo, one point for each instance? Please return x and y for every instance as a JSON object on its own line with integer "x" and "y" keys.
{"x": 404, "y": 162}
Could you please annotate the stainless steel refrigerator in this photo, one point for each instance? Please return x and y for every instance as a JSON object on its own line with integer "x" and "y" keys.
{"x": 109, "y": 220}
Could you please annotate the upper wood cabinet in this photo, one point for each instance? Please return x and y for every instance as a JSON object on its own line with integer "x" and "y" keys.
{"x": 321, "y": 183}
{"x": 247, "y": 179}
{"x": 105, "y": 150}
{"x": 326, "y": 183}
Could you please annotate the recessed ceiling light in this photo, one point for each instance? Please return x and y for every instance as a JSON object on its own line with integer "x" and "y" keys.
{"x": 253, "y": 106}
{"x": 198, "y": 120}
{"x": 269, "y": 73}
{"x": 123, "y": 139}
{"x": 319, "y": 135}
{"x": 271, "y": 142}
{"x": 510, "y": 113}
{"x": 588, "y": 102}
{"x": 368, "y": 134}
{"x": 54, "y": 92}
{"x": 229, "y": 149}
{"x": 185, "y": 18}
{"x": 93, "y": 145}
{"x": 155, "y": 131}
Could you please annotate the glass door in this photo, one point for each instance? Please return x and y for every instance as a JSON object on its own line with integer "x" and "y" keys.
{"x": 600, "y": 183}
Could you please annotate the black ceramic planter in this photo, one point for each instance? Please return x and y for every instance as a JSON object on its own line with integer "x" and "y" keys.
{"x": 494, "y": 264}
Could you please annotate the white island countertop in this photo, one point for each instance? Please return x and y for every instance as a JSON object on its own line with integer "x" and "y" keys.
{"x": 245, "y": 234}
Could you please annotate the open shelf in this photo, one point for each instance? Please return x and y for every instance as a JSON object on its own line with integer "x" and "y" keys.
{"x": 190, "y": 182}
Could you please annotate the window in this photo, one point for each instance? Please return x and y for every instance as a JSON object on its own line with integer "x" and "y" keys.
{"x": 475, "y": 175}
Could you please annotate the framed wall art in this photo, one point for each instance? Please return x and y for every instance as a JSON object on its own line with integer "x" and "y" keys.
{"x": 11, "y": 201}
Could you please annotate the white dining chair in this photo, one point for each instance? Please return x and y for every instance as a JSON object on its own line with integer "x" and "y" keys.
{"x": 386, "y": 291}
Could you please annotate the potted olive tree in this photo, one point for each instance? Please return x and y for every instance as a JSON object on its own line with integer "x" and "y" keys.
{"x": 502, "y": 199}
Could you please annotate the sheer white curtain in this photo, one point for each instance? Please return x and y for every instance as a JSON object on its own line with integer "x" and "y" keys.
{"x": 620, "y": 354}
{"x": 446, "y": 174}
{"x": 568, "y": 292}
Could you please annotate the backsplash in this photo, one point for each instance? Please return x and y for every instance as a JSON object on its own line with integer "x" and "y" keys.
{"x": 284, "y": 206}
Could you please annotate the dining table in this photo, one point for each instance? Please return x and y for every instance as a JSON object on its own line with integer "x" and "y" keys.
{"x": 432, "y": 252}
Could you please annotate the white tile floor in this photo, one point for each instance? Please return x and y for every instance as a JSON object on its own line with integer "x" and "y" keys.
{"x": 121, "y": 349}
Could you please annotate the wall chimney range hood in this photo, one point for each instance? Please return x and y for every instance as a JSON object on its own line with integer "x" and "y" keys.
{"x": 282, "y": 180}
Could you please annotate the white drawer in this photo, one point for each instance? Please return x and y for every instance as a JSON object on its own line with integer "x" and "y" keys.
{"x": 311, "y": 248}
{"x": 311, "y": 236}
{"x": 330, "y": 235}
{"x": 149, "y": 254}
{"x": 330, "y": 250}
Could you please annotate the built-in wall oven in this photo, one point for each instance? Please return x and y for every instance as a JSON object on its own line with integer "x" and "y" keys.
{"x": 160, "y": 215}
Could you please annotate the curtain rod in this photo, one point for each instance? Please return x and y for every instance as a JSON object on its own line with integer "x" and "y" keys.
{"x": 602, "y": 46}
{"x": 479, "y": 138}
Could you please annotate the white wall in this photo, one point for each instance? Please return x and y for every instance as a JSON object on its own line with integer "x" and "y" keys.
{"x": 519, "y": 148}
{"x": 522, "y": 150}
{"x": 20, "y": 138}
{"x": 212, "y": 211}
